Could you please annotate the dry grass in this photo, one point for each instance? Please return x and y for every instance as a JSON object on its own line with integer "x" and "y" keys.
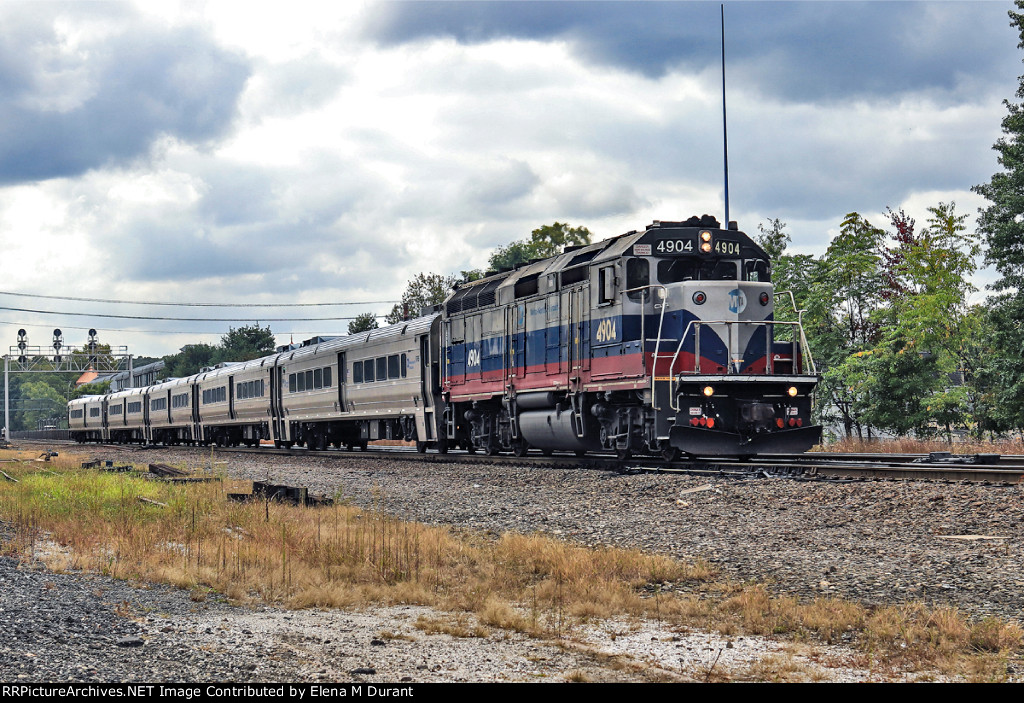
{"x": 341, "y": 556}
{"x": 908, "y": 445}
{"x": 328, "y": 557}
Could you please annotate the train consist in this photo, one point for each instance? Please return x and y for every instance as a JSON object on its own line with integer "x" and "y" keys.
{"x": 660, "y": 341}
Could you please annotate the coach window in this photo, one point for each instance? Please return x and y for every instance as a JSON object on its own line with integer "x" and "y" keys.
{"x": 291, "y": 383}
{"x": 382, "y": 368}
{"x": 318, "y": 379}
{"x": 357, "y": 372}
{"x": 638, "y": 275}
{"x": 404, "y": 365}
{"x": 393, "y": 369}
{"x": 368, "y": 370}
{"x": 327, "y": 377}
{"x": 300, "y": 382}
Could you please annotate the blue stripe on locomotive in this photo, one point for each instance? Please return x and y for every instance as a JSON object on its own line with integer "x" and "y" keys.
{"x": 604, "y": 337}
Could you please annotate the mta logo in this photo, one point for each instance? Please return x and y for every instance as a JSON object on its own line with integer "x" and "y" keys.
{"x": 606, "y": 331}
{"x": 737, "y": 301}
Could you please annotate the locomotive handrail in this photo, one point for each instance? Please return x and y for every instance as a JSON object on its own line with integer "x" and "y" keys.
{"x": 696, "y": 325}
{"x": 800, "y": 321}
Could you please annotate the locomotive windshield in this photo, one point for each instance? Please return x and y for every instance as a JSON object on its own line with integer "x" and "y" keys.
{"x": 677, "y": 270}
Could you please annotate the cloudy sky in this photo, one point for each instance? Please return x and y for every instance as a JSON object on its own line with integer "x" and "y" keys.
{"x": 321, "y": 152}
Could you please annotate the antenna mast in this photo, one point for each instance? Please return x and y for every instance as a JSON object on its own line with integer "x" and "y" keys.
{"x": 725, "y": 127}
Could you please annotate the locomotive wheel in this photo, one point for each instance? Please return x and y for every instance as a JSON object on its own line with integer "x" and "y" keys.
{"x": 623, "y": 454}
{"x": 348, "y": 446}
{"x": 362, "y": 445}
{"x": 547, "y": 452}
{"x": 442, "y": 445}
{"x": 521, "y": 448}
{"x": 421, "y": 447}
{"x": 492, "y": 450}
{"x": 580, "y": 453}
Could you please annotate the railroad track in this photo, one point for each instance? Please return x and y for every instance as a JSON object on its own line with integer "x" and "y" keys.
{"x": 989, "y": 468}
{"x": 1007, "y": 470}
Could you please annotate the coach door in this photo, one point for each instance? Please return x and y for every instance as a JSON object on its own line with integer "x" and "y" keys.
{"x": 196, "y": 432}
{"x": 276, "y": 403}
{"x": 427, "y": 373}
{"x": 231, "y": 397}
{"x": 342, "y": 378}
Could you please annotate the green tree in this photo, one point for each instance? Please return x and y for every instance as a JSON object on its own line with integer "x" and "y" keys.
{"x": 245, "y": 343}
{"x": 1002, "y": 225}
{"x": 844, "y": 296}
{"x": 791, "y": 273}
{"x": 41, "y": 401}
{"x": 423, "y": 290}
{"x": 362, "y": 323}
{"x": 545, "y": 241}
{"x": 189, "y": 360}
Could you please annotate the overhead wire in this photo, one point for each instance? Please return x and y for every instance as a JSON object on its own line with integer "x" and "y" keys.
{"x": 194, "y": 304}
{"x": 180, "y": 319}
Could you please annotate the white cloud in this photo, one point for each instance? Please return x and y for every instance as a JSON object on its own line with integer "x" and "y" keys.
{"x": 351, "y": 166}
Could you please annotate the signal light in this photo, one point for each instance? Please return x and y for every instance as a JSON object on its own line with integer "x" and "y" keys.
{"x": 764, "y": 298}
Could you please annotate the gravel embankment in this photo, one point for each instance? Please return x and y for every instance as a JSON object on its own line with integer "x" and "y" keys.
{"x": 874, "y": 542}
{"x": 86, "y": 628}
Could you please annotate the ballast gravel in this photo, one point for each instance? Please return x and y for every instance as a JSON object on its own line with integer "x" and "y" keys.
{"x": 873, "y": 542}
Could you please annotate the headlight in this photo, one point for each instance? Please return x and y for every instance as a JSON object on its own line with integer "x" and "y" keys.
{"x": 708, "y": 391}
{"x": 792, "y": 391}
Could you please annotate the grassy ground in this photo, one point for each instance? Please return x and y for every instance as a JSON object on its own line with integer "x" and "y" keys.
{"x": 923, "y": 446}
{"x": 191, "y": 536}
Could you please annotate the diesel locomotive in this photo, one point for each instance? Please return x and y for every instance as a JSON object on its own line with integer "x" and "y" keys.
{"x": 661, "y": 341}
